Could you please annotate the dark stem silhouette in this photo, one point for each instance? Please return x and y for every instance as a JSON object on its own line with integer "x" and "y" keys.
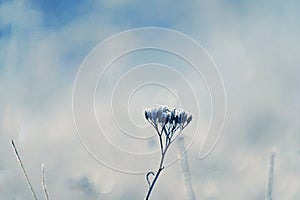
{"x": 160, "y": 168}
{"x": 24, "y": 171}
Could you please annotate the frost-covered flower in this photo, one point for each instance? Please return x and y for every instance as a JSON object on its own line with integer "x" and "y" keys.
{"x": 166, "y": 120}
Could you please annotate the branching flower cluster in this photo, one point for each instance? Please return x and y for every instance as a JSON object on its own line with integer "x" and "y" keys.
{"x": 167, "y": 121}
{"x": 168, "y": 124}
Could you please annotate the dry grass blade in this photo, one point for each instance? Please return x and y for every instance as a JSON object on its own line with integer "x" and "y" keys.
{"x": 269, "y": 192}
{"x": 44, "y": 182}
{"x": 184, "y": 167}
{"x": 24, "y": 172}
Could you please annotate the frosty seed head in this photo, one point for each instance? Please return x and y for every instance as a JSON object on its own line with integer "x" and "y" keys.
{"x": 164, "y": 116}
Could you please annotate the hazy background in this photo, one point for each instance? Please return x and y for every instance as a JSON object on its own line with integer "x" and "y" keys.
{"x": 255, "y": 45}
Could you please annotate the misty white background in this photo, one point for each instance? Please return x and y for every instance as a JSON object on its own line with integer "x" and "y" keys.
{"x": 255, "y": 45}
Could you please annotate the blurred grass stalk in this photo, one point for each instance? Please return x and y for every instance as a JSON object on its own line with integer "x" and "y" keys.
{"x": 269, "y": 192}
{"x": 184, "y": 167}
{"x": 44, "y": 182}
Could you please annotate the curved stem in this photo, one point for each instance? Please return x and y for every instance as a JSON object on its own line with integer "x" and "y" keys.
{"x": 160, "y": 168}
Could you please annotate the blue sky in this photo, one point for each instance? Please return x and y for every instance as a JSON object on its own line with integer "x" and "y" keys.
{"x": 255, "y": 45}
{"x": 134, "y": 14}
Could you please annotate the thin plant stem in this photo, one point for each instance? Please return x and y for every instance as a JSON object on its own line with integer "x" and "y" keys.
{"x": 155, "y": 178}
{"x": 161, "y": 164}
{"x": 44, "y": 182}
{"x": 269, "y": 192}
{"x": 160, "y": 168}
{"x": 24, "y": 171}
{"x": 184, "y": 167}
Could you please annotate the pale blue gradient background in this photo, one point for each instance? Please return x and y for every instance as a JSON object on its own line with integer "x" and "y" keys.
{"x": 254, "y": 43}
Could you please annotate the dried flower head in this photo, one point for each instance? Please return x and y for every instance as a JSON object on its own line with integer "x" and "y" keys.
{"x": 169, "y": 120}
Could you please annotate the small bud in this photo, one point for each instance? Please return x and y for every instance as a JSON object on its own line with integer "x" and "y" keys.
{"x": 176, "y": 119}
{"x": 149, "y": 114}
{"x": 169, "y": 117}
{"x": 181, "y": 117}
{"x": 184, "y": 117}
{"x": 189, "y": 119}
{"x": 163, "y": 118}
{"x": 154, "y": 114}
{"x": 173, "y": 112}
{"x": 146, "y": 115}
{"x": 165, "y": 108}
{"x": 159, "y": 112}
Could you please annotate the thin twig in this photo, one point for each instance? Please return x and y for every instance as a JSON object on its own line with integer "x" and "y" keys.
{"x": 24, "y": 172}
{"x": 160, "y": 168}
{"x": 44, "y": 182}
{"x": 183, "y": 161}
{"x": 271, "y": 176}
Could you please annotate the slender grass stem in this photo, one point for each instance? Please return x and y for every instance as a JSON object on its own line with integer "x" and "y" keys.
{"x": 269, "y": 192}
{"x": 24, "y": 171}
{"x": 44, "y": 182}
{"x": 184, "y": 167}
{"x": 159, "y": 170}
